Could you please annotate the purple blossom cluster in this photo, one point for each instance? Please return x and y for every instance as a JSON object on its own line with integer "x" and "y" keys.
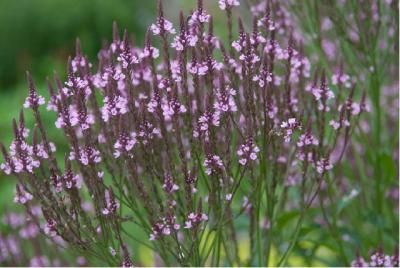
{"x": 166, "y": 138}
{"x": 26, "y": 244}
{"x": 378, "y": 259}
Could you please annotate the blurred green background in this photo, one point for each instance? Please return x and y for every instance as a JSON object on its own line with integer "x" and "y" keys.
{"x": 40, "y": 34}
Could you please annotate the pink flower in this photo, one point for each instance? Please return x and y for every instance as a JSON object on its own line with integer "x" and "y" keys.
{"x": 149, "y": 52}
{"x": 341, "y": 79}
{"x": 289, "y": 126}
{"x": 114, "y": 105}
{"x": 199, "y": 16}
{"x": 225, "y": 101}
{"x": 226, "y": 4}
{"x": 50, "y": 228}
{"x": 169, "y": 186}
{"x": 247, "y": 151}
{"x": 33, "y": 100}
{"x": 171, "y": 108}
{"x": 22, "y": 196}
{"x": 184, "y": 40}
{"x": 323, "y": 165}
{"x": 213, "y": 164}
{"x": 164, "y": 227}
{"x": 162, "y": 24}
{"x": 111, "y": 204}
{"x": 194, "y": 219}
{"x": 124, "y": 144}
{"x": 262, "y": 79}
{"x": 307, "y": 139}
{"x": 87, "y": 155}
{"x": 338, "y": 124}
{"x": 207, "y": 120}
{"x": 113, "y": 252}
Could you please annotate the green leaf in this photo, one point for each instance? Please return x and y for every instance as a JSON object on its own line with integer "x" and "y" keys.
{"x": 285, "y": 218}
{"x": 346, "y": 200}
{"x": 388, "y": 167}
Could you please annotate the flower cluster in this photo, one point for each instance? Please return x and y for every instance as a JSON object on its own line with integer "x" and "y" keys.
{"x": 225, "y": 100}
{"x": 87, "y": 156}
{"x": 377, "y": 259}
{"x": 226, "y": 4}
{"x": 111, "y": 204}
{"x": 164, "y": 227}
{"x": 194, "y": 219}
{"x": 21, "y": 195}
{"x": 162, "y": 25}
{"x": 289, "y": 127}
{"x": 16, "y": 247}
{"x": 323, "y": 165}
{"x": 124, "y": 144}
{"x": 247, "y": 151}
{"x": 213, "y": 164}
{"x": 169, "y": 186}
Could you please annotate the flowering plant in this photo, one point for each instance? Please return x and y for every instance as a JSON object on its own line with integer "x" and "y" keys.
{"x": 183, "y": 141}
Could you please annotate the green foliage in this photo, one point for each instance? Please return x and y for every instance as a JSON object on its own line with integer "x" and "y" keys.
{"x": 38, "y": 35}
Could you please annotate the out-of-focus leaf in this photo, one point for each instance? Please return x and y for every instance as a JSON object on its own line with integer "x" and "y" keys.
{"x": 304, "y": 231}
{"x": 347, "y": 199}
{"x": 388, "y": 167}
{"x": 285, "y": 218}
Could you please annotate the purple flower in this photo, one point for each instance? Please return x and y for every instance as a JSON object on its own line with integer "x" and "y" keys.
{"x": 71, "y": 180}
{"x": 194, "y": 219}
{"x": 336, "y": 125}
{"x": 149, "y": 52}
{"x": 127, "y": 57}
{"x": 39, "y": 261}
{"x": 50, "y": 227}
{"x": 171, "y": 108}
{"x": 33, "y": 100}
{"x": 87, "y": 155}
{"x": 22, "y": 157}
{"x": 199, "y": 17}
{"x": 111, "y": 204}
{"x": 247, "y": 151}
{"x": 22, "y": 196}
{"x": 227, "y": 4}
{"x": 307, "y": 139}
{"x": 289, "y": 126}
{"x": 162, "y": 24}
{"x": 198, "y": 68}
{"x": 184, "y": 40}
{"x": 169, "y": 186}
{"x": 113, "y": 106}
{"x": 213, "y": 164}
{"x": 207, "y": 120}
{"x": 264, "y": 78}
{"x": 6, "y": 167}
{"x": 341, "y": 79}
{"x": 323, "y": 165}
{"x": 113, "y": 252}
{"x": 164, "y": 227}
{"x": 378, "y": 259}
{"x": 225, "y": 101}
{"x": 124, "y": 144}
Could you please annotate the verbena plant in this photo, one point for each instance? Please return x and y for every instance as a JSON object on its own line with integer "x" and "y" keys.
{"x": 196, "y": 143}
